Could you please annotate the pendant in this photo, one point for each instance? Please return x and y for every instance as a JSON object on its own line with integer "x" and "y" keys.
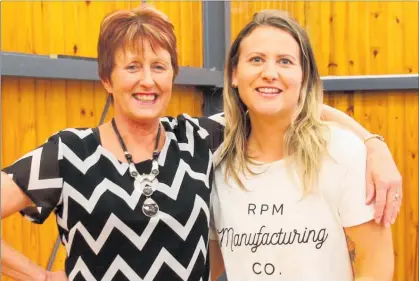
{"x": 147, "y": 189}
{"x": 155, "y": 168}
{"x": 150, "y": 208}
{"x": 133, "y": 171}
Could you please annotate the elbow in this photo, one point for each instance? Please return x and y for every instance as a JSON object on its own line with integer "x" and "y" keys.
{"x": 380, "y": 270}
{"x": 386, "y": 270}
{"x": 388, "y": 266}
{"x": 390, "y": 270}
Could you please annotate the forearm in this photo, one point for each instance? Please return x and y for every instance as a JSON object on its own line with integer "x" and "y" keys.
{"x": 19, "y": 267}
{"x": 365, "y": 279}
{"x": 374, "y": 268}
{"x": 216, "y": 261}
{"x": 371, "y": 252}
{"x": 334, "y": 115}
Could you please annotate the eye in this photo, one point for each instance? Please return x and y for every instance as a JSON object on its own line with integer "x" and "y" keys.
{"x": 131, "y": 67}
{"x": 285, "y": 61}
{"x": 256, "y": 59}
{"x": 159, "y": 67}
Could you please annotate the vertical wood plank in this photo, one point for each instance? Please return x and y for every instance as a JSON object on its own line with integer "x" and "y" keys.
{"x": 410, "y": 188}
{"x": 409, "y": 24}
{"x": 11, "y": 226}
{"x": 359, "y": 37}
{"x": 396, "y": 122}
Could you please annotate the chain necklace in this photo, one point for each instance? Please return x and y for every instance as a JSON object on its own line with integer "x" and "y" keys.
{"x": 146, "y": 183}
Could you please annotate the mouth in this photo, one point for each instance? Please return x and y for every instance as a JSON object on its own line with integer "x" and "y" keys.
{"x": 145, "y": 98}
{"x": 269, "y": 91}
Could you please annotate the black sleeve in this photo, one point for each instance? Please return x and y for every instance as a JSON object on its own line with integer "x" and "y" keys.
{"x": 38, "y": 175}
{"x": 215, "y": 127}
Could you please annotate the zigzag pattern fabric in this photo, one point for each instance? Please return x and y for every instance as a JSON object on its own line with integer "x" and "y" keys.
{"x": 98, "y": 211}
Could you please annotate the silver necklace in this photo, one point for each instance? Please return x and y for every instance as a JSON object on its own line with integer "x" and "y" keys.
{"x": 146, "y": 183}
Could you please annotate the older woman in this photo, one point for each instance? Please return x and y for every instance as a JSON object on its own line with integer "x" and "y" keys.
{"x": 131, "y": 196}
{"x": 289, "y": 194}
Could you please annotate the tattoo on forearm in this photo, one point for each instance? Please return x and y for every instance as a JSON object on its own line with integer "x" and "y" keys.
{"x": 351, "y": 249}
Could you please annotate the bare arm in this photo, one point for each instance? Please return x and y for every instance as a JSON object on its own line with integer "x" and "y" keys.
{"x": 334, "y": 115}
{"x": 216, "y": 260}
{"x": 384, "y": 181}
{"x": 370, "y": 248}
{"x": 14, "y": 264}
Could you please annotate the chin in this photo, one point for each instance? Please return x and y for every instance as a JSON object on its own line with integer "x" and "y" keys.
{"x": 273, "y": 113}
{"x": 268, "y": 110}
{"x": 145, "y": 116}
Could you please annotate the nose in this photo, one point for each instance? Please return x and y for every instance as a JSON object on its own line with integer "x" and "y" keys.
{"x": 146, "y": 79}
{"x": 270, "y": 72}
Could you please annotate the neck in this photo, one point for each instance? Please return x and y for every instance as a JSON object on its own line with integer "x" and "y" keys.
{"x": 266, "y": 140}
{"x": 137, "y": 133}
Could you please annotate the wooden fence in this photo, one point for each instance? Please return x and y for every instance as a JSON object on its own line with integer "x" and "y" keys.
{"x": 349, "y": 38}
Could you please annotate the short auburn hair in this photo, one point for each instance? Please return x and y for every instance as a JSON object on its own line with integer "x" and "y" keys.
{"x": 129, "y": 29}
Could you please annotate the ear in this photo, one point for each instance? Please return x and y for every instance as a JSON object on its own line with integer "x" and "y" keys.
{"x": 234, "y": 81}
{"x": 107, "y": 85}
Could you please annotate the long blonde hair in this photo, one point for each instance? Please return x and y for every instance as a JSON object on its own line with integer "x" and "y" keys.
{"x": 305, "y": 139}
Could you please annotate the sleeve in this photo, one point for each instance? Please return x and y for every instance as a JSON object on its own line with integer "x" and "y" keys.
{"x": 214, "y": 125}
{"x": 212, "y": 231}
{"x": 37, "y": 174}
{"x": 352, "y": 208}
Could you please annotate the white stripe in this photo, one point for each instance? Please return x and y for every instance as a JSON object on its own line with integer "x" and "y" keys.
{"x": 84, "y": 165}
{"x": 164, "y": 257}
{"x": 138, "y": 240}
{"x": 80, "y": 133}
{"x": 173, "y": 190}
{"x": 34, "y": 182}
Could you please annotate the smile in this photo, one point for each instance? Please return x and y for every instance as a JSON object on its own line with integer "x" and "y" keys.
{"x": 145, "y": 98}
{"x": 269, "y": 92}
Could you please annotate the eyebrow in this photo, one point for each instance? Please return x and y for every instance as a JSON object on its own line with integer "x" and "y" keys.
{"x": 139, "y": 59}
{"x": 278, "y": 55}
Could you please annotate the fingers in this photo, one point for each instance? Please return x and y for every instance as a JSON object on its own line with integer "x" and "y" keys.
{"x": 370, "y": 186}
{"x": 398, "y": 205}
{"x": 391, "y": 207}
{"x": 56, "y": 276}
{"x": 394, "y": 201}
{"x": 380, "y": 200}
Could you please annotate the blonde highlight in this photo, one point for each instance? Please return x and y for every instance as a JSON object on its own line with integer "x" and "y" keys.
{"x": 306, "y": 137}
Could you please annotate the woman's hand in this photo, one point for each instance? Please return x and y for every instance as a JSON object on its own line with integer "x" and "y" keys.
{"x": 384, "y": 182}
{"x": 56, "y": 276}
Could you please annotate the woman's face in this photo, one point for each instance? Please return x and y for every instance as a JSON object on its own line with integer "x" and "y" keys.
{"x": 141, "y": 82}
{"x": 269, "y": 72}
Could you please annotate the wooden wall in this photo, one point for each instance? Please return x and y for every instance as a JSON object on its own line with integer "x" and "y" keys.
{"x": 349, "y": 38}
{"x": 366, "y": 38}
{"x": 32, "y": 109}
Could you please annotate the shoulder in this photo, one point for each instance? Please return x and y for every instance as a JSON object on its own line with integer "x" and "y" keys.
{"x": 76, "y": 140}
{"x": 214, "y": 123}
{"x": 71, "y": 135}
{"x": 218, "y": 118}
{"x": 344, "y": 146}
{"x": 181, "y": 123}
{"x": 187, "y": 124}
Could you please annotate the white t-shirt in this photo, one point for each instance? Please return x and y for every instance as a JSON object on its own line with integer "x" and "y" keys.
{"x": 270, "y": 233}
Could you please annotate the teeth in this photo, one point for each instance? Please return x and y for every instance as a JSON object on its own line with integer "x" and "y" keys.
{"x": 268, "y": 90}
{"x": 145, "y": 97}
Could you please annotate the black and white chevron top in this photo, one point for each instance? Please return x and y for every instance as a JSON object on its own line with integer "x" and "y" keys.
{"x": 98, "y": 211}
